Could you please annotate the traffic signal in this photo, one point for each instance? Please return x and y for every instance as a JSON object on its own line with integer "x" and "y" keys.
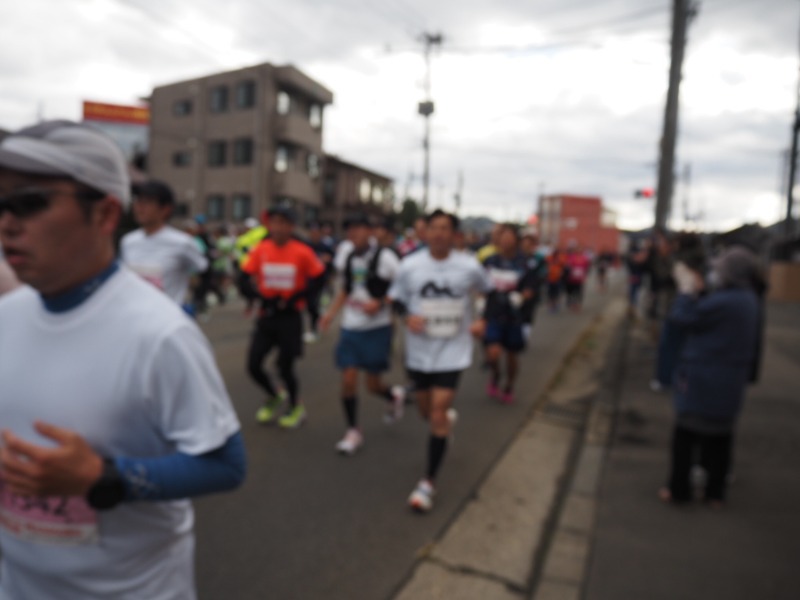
{"x": 644, "y": 193}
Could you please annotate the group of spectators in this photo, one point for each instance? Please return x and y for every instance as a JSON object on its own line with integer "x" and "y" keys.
{"x": 707, "y": 311}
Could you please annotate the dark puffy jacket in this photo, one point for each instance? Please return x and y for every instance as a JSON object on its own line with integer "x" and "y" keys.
{"x": 716, "y": 362}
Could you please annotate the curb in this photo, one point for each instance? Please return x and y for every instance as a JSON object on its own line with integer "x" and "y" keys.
{"x": 560, "y": 571}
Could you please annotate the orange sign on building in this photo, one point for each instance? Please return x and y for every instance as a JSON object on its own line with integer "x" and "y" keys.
{"x": 116, "y": 113}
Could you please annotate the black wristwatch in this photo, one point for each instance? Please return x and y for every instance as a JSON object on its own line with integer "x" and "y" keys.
{"x": 109, "y": 490}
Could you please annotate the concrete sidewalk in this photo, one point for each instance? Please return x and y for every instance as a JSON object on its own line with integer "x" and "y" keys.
{"x": 750, "y": 549}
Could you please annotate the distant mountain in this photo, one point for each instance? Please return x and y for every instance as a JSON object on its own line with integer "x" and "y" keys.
{"x": 477, "y": 224}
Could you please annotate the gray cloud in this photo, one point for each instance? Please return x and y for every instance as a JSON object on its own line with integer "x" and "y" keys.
{"x": 581, "y": 147}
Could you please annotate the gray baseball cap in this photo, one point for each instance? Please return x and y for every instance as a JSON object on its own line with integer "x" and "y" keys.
{"x": 69, "y": 149}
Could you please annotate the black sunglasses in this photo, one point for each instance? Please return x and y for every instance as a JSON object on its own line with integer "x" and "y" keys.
{"x": 27, "y": 203}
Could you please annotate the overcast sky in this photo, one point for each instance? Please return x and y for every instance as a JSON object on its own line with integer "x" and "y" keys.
{"x": 531, "y": 95}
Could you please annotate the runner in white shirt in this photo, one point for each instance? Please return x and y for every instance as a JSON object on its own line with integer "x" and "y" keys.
{"x": 365, "y": 341}
{"x": 113, "y": 411}
{"x": 434, "y": 289}
{"x": 162, "y": 255}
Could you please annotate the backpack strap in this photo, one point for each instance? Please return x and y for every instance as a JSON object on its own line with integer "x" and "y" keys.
{"x": 348, "y": 272}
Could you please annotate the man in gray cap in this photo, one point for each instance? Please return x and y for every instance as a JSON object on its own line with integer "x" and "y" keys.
{"x": 114, "y": 411}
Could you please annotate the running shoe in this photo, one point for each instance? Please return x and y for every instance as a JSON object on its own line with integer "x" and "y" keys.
{"x": 507, "y": 397}
{"x": 493, "y": 390}
{"x": 421, "y": 499}
{"x": 397, "y": 406}
{"x": 350, "y": 443}
{"x": 267, "y": 412}
{"x": 309, "y": 337}
{"x": 293, "y": 418}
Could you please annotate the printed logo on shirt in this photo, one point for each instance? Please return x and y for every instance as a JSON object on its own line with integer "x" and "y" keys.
{"x": 279, "y": 276}
{"x": 432, "y": 290}
{"x": 65, "y": 520}
{"x": 150, "y": 274}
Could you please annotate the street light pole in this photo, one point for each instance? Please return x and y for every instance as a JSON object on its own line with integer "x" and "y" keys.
{"x": 426, "y": 110}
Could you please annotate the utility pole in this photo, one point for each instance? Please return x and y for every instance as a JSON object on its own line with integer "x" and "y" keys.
{"x": 682, "y": 12}
{"x": 458, "y": 196}
{"x": 687, "y": 182}
{"x": 426, "y": 110}
{"x": 788, "y": 226}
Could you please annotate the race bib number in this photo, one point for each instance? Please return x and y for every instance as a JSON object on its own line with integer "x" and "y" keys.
{"x": 503, "y": 280}
{"x": 443, "y": 316}
{"x": 152, "y": 275}
{"x": 65, "y": 520}
{"x": 279, "y": 277}
{"x": 578, "y": 272}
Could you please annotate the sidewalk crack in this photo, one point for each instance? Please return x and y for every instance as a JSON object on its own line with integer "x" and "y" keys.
{"x": 509, "y": 584}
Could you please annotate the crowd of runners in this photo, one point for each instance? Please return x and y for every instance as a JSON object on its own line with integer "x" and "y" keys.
{"x": 444, "y": 286}
{"x": 100, "y": 454}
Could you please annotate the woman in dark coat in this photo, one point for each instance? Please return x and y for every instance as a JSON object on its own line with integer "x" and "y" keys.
{"x": 716, "y": 363}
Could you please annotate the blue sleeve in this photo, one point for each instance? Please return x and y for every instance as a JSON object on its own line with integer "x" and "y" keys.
{"x": 180, "y": 475}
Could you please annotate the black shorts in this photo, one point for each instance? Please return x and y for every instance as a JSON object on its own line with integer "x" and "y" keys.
{"x": 282, "y": 330}
{"x": 442, "y": 379}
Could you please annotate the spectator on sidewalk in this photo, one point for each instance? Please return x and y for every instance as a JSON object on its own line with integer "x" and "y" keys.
{"x": 637, "y": 269}
{"x": 688, "y": 250}
{"x": 662, "y": 287}
{"x": 718, "y": 359}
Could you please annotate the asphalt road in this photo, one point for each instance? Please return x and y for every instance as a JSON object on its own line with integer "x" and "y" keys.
{"x": 311, "y": 524}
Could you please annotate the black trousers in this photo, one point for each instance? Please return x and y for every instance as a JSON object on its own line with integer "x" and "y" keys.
{"x": 710, "y": 451}
{"x": 313, "y": 308}
{"x": 282, "y": 331}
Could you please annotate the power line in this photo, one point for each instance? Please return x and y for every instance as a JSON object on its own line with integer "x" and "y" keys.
{"x": 652, "y": 10}
{"x": 624, "y": 20}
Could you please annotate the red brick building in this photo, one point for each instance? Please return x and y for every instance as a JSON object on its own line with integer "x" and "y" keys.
{"x": 583, "y": 219}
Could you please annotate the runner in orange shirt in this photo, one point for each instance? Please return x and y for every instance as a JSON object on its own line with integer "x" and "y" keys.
{"x": 286, "y": 271}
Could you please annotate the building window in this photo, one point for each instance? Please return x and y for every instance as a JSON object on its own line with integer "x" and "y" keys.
{"x": 243, "y": 151}
{"x": 181, "y": 210}
{"x": 364, "y": 190}
{"x": 242, "y": 208}
{"x": 315, "y": 116}
{"x": 216, "y": 154}
{"x": 219, "y": 99}
{"x": 246, "y": 94}
{"x": 284, "y": 103}
{"x": 282, "y": 157}
{"x": 312, "y": 163}
{"x": 329, "y": 190}
{"x": 216, "y": 207}
{"x": 377, "y": 194}
{"x": 182, "y": 108}
{"x": 182, "y": 158}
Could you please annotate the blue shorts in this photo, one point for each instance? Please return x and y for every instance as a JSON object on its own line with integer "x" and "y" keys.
{"x": 367, "y": 350}
{"x": 508, "y": 335}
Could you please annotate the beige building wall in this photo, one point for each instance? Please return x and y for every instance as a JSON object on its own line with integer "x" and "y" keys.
{"x": 190, "y": 135}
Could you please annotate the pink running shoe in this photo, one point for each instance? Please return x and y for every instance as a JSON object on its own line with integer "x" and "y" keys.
{"x": 493, "y": 390}
{"x": 507, "y": 397}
